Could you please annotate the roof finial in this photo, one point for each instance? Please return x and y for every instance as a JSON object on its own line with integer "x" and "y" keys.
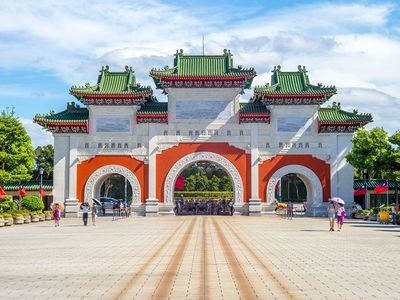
{"x": 181, "y": 51}
{"x": 299, "y": 68}
{"x": 225, "y": 51}
{"x": 107, "y": 68}
{"x": 279, "y": 67}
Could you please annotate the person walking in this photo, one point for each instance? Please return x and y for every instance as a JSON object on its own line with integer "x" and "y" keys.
{"x": 85, "y": 207}
{"x": 331, "y": 215}
{"x": 289, "y": 210}
{"x": 340, "y": 214}
{"x": 56, "y": 215}
{"x": 94, "y": 213}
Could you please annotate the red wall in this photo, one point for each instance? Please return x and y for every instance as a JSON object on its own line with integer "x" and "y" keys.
{"x": 169, "y": 157}
{"x": 87, "y": 167}
{"x": 319, "y": 167}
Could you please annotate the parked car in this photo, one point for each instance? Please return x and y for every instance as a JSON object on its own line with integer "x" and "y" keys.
{"x": 107, "y": 202}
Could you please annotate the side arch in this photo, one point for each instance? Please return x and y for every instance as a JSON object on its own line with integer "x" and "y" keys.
{"x": 310, "y": 179}
{"x": 93, "y": 184}
{"x": 181, "y": 164}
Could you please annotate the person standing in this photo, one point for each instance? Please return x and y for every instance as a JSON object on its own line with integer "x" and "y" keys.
{"x": 331, "y": 215}
{"x": 289, "y": 209}
{"x": 94, "y": 213}
{"x": 340, "y": 214}
{"x": 56, "y": 215}
{"x": 394, "y": 213}
{"x": 85, "y": 207}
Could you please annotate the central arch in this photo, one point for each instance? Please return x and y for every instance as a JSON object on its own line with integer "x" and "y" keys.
{"x": 92, "y": 186}
{"x": 181, "y": 164}
{"x": 310, "y": 179}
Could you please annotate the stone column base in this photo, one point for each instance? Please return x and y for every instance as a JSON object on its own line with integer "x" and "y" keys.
{"x": 139, "y": 210}
{"x": 254, "y": 207}
{"x": 165, "y": 209}
{"x": 268, "y": 208}
{"x": 151, "y": 207}
{"x": 71, "y": 208}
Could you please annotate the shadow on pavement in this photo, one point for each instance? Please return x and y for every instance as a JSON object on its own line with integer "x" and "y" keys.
{"x": 313, "y": 230}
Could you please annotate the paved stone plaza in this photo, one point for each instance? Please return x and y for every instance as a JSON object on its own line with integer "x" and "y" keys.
{"x": 200, "y": 258}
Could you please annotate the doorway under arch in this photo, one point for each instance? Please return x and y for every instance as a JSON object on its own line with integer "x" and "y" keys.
{"x": 188, "y": 160}
{"x": 307, "y": 176}
{"x": 98, "y": 177}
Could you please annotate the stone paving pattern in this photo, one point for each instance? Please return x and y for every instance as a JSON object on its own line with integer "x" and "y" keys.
{"x": 200, "y": 257}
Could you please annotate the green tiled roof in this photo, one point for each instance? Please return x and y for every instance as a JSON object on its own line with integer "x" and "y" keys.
{"x": 33, "y": 185}
{"x": 153, "y": 108}
{"x": 253, "y": 108}
{"x": 373, "y": 183}
{"x": 335, "y": 115}
{"x": 293, "y": 83}
{"x": 112, "y": 83}
{"x": 73, "y": 114}
{"x": 203, "y": 66}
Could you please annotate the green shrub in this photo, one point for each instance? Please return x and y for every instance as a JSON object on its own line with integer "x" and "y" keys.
{"x": 32, "y": 203}
{"x": 6, "y": 215}
{"x": 365, "y": 211}
{"x": 375, "y": 210}
{"x": 48, "y": 212}
{"x": 17, "y": 215}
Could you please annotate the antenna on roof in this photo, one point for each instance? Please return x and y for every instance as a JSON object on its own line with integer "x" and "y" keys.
{"x": 203, "y": 43}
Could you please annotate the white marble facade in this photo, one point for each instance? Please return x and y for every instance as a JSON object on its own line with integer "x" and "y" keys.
{"x": 207, "y": 123}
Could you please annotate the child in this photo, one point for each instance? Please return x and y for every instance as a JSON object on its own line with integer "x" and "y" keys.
{"x": 56, "y": 215}
{"x": 340, "y": 214}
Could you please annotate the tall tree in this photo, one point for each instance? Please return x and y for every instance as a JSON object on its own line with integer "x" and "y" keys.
{"x": 371, "y": 151}
{"x": 44, "y": 158}
{"x": 16, "y": 152}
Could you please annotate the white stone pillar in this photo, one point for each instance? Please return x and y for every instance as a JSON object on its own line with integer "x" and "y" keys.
{"x": 254, "y": 201}
{"x": 60, "y": 171}
{"x": 152, "y": 201}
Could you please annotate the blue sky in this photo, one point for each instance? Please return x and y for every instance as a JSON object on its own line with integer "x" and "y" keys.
{"x": 47, "y": 46}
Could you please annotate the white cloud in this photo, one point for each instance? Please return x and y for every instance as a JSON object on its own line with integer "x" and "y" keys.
{"x": 38, "y": 135}
{"x": 384, "y": 108}
{"x": 345, "y": 44}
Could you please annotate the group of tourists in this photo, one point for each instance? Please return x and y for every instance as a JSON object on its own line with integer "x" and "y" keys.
{"x": 203, "y": 207}
{"x": 336, "y": 211}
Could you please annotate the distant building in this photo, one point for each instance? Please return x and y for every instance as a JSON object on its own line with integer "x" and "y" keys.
{"x": 281, "y": 130}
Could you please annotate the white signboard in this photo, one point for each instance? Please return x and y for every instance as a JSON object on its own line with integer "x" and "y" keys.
{"x": 112, "y": 124}
{"x": 293, "y": 124}
{"x": 204, "y": 110}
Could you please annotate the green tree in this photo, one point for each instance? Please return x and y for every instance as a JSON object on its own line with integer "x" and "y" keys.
{"x": 202, "y": 183}
{"x": 190, "y": 183}
{"x": 214, "y": 183}
{"x": 371, "y": 151}
{"x": 44, "y": 158}
{"x": 226, "y": 184}
{"x": 16, "y": 152}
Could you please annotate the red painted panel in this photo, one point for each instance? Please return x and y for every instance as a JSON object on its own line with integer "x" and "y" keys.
{"x": 87, "y": 167}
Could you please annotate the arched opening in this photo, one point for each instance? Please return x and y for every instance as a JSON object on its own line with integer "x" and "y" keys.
{"x": 291, "y": 188}
{"x": 114, "y": 191}
{"x": 184, "y": 162}
{"x": 313, "y": 186}
{"x": 110, "y": 180}
{"x": 203, "y": 188}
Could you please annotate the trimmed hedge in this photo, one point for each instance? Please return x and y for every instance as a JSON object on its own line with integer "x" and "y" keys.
{"x": 32, "y": 203}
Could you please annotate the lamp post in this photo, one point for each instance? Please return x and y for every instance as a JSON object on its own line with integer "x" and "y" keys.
{"x": 365, "y": 182}
{"x": 41, "y": 171}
